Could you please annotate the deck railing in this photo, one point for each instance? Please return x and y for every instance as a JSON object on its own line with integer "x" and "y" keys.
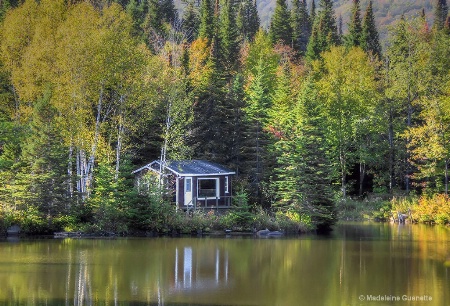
{"x": 208, "y": 203}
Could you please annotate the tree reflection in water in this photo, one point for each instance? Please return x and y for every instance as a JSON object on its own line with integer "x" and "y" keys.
{"x": 83, "y": 287}
{"x": 355, "y": 259}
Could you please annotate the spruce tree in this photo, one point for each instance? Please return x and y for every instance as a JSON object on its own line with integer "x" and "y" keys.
{"x": 168, "y": 11}
{"x": 324, "y": 32}
{"x": 45, "y": 159}
{"x": 312, "y": 12}
{"x": 228, "y": 34}
{"x": 255, "y": 149}
{"x": 369, "y": 38}
{"x": 440, "y": 13}
{"x": 340, "y": 28}
{"x": 137, "y": 11}
{"x": 301, "y": 28}
{"x": 280, "y": 27}
{"x": 154, "y": 19}
{"x": 4, "y": 6}
{"x": 353, "y": 39}
{"x": 247, "y": 20}
{"x": 206, "y": 28}
{"x": 447, "y": 25}
{"x": 191, "y": 21}
{"x": 314, "y": 168}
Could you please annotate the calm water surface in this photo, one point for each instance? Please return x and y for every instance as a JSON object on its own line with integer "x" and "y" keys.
{"x": 358, "y": 264}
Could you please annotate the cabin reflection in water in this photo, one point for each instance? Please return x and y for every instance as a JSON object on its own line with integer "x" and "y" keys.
{"x": 200, "y": 270}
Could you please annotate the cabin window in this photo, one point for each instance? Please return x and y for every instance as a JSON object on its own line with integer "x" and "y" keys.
{"x": 208, "y": 188}
{"x": 226, "y": 184}
{"x": 188, "y": 185}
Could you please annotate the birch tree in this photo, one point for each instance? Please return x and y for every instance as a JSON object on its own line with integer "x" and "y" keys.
{"x": 347, "y": 88}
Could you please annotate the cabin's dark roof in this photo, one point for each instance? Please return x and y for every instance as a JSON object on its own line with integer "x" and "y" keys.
{"x": 190, "y": 168}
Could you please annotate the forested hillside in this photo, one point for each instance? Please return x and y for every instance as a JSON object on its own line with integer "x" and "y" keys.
{"x": 385, "y": 11}
{"x": 307, "y": 115}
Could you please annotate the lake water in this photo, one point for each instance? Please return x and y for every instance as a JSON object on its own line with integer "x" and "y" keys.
{"x": 358, "y": 264}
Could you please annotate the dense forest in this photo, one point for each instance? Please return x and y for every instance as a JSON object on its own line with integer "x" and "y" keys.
{"x": 308, "y": 115}
{"x": 386, "y": 12}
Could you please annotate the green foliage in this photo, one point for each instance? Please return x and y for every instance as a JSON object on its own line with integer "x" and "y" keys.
{"x": 88, "y": 93}
{"x": 369, "y": 36}
{"x": 440, "y": 13}
{"x": 240, "y": 215}
{"x": 280, "y": 27}
{"x": 301, "y": 26}
{"x": 191, "y": 21}
{"x": 374, "y": 209}
{"x": 207, "y": 22}
{"x": 137, "y": 10}
{"x": 247, "y": 20}
{"x": 324, "y": 33}
{"x": 354, "y": 36}
{"x": 228, "y": 35}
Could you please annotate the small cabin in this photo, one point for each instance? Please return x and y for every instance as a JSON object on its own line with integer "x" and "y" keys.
{"x": 194, "y": 183}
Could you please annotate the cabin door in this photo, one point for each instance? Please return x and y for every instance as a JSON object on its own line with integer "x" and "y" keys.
{"x": 188, "y": 191}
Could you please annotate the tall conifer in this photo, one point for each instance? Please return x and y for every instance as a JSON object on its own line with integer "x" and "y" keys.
{"x": 301, "y": 28}
{"x": 324, "y": 32}
{"x": 154, "y": 19}
{"x": 447, "y": 25}
{"x": 190, "y": 21}
{"x": 353, "y": 38}
{"x": 137, "y": 10}
{"x": 312, "y": 12}
{"x": 280, "y": 27}
{"x": 169, "y": 13}
{"x": 229, "y": 43}
{"x": 206, "y": 28}
{"x": 247, "y": 19}
{"x": 440, "y": 13}
{"x": 369, "y": 37}
{"x": 314, "y": 166}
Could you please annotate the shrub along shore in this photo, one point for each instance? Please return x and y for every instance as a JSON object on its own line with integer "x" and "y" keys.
{"x": 431, "y": 209}
{"x": 162, "y": 218}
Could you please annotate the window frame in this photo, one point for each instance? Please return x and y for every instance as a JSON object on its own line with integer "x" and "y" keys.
{"x": 217, "y": 187}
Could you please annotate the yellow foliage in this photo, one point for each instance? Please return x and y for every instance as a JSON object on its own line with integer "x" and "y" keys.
{"x": 428, "y": 209}
{"x": 198, "y": 62}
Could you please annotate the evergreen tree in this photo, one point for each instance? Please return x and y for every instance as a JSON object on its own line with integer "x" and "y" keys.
{"x": 212, "y": 110}
{"x": 137, "y": 10}
{"x": 255, "y": 150}
{"x": 154, "y": 18}
{"x": 440, "y": 13}
{"x": 280, "y": 27}
{"x": 369, "y": 37}
{"x": 206, "y": 28}
{"x": 324, "y": 32}
{"x": 354, "y": 36}
{"x": 45, "y": 164}
{"x": 228, "y": 35}
{"x": 312, "y": 13}
{"x": 301, "y": 28}
{"x": 314, "y": 166}
{"x": 247, "y": 20}
{"x": 4, "y": 6}
{"x": 168, "y": 11}
{"x": 191, "y": 21}
{"x": 447, "y": 25}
